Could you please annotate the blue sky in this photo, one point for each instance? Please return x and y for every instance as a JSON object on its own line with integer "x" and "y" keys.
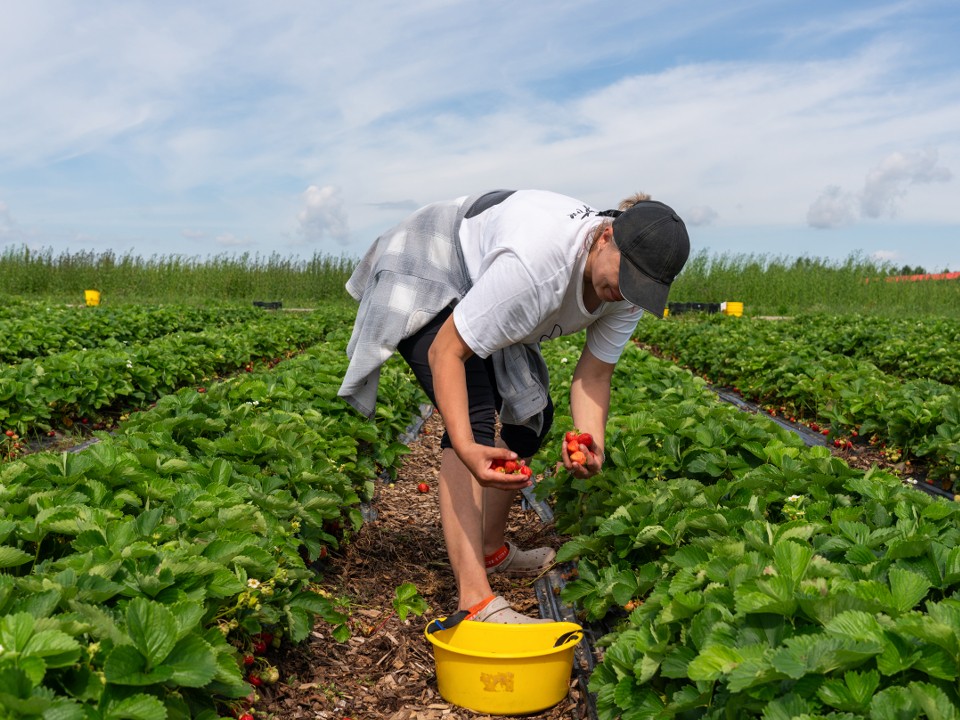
{"x": 816, "y": 129}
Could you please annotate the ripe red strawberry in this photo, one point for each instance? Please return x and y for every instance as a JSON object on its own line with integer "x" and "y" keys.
{"x": 573, "y": 446}
{"x": 571, "y": 436}
{"x": 423, "y": 487}
{"x": 526, "y": 471}
{"x": 248, "y": 660}
{"x": 510, "y": 466}
{"x": 585, "y": 439}
{"x": 254, "y": 680}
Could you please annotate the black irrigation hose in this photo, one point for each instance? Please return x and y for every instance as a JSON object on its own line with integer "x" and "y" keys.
{"x": 810, "y": 438}
{"x": 548, "y": 588}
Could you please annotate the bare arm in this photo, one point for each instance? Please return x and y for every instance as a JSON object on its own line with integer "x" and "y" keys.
{"x": 589, "y": 406}
{"x": 447, "y": 356}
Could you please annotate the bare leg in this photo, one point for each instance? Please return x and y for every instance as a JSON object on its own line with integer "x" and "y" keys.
{"x": 461, "y": 515}
{"x": 497, "y": 504}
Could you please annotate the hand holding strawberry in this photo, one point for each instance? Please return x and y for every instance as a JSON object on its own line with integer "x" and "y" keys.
{"x": 489, "y": 466}
{"x": 580, "y": 454}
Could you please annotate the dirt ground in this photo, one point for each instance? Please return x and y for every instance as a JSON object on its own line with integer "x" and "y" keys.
{"x": 386, "y": 670}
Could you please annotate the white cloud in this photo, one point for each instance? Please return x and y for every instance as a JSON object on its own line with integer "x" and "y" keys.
{"x": 193, "y": 234}
{"x": 884, "y": 188}
{"x": 232, "y": 241}
{"x": 323, "y": 215}
{"x": 700, "y": 215}
{"x": 887, "y": 183}
{"x": 834, "y": 208}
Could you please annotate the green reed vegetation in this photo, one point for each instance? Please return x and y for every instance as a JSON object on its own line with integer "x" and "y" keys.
{"x": 770, "y": 285}
{"x": 766, "y": 285}
{"x": 129, "y": 278}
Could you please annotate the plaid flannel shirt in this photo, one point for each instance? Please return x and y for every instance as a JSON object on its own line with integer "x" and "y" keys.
{"x": 410, "y": 274}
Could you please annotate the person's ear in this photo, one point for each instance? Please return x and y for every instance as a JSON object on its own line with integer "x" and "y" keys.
{"x": 607, "y": 235}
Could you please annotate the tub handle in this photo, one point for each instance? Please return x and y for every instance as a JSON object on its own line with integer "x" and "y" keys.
{"x": 447, "y": 622}
{"x": 562, "y": 640}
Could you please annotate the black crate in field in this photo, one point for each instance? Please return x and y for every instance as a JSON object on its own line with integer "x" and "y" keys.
{"x": 678, "y": 308}
{"x": 275, "y": 305}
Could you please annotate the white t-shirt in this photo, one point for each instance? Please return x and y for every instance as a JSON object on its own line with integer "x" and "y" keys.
{"x": 526, "y": 257}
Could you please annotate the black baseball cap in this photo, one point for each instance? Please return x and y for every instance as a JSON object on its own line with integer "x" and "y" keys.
{"x": 654, "y": 247}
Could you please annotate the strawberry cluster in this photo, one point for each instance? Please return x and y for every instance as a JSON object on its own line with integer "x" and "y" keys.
{"x": 512, "y": 467}
{"x": 578, "y": 445}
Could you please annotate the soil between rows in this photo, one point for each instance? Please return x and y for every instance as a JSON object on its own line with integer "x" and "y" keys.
{"x": 386, "y": 670}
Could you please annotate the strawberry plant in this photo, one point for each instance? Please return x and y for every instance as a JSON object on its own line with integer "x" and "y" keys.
{"x": 779, "y": 364}
{"x": 140, "y": 574}
{"x": 763, "y": 578}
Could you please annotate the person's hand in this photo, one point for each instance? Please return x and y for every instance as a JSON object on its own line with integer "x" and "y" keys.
{"x": 479, "y": 459}
{"x": 593, "y": 459}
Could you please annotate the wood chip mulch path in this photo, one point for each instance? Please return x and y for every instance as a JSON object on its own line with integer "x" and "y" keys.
{"x": 386, "y": 670}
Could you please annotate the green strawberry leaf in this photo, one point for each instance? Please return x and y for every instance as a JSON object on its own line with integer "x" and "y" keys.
{"x": 152, "y": 628}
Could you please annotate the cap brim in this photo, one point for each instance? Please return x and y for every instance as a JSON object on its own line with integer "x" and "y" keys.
{"x": 642, "y": 290}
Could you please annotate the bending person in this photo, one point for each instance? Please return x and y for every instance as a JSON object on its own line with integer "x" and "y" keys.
{"x": 466, "y": 290}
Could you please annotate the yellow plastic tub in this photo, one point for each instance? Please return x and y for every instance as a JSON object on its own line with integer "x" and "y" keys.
{"x": 504, "y": 669}
{"x": 92, "y": 297}
{"x": 733, "y": 308}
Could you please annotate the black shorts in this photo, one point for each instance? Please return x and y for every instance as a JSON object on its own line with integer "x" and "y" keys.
{"x": 482, "y": 395}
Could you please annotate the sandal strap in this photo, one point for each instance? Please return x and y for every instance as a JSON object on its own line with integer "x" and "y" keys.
{"x": 497, "y": 557}
{"x": 472, "y": 611}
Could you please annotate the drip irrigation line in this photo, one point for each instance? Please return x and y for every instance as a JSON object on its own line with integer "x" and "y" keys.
{"x": 548, "y": 588}
{"x": 931, "y": 489}
{"x": 810, "y": 438}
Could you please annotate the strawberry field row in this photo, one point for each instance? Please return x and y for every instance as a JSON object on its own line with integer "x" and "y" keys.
{"x": 749, "y": 576}
{"x": 60, "y": 389}
{"x": 907, "y": 348}
{"x": 41, "y": 330}
{"x": 780, "y": 366}
{"x": 145, "y": 576}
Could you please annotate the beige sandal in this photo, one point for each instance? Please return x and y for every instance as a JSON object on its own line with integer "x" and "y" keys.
{"x": 496, "y": 609}
{"x": 520, "y": 563}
